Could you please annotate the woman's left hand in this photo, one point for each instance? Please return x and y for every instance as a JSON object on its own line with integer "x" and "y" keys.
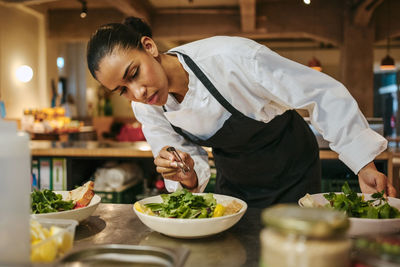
{"x": 372, "y": 181}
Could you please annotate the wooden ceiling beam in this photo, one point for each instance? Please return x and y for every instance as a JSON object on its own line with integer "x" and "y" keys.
{"x": 206, "y": 11}
{"x": 59, "y": 30}
{"x": 188, "y": 26}
{"x": 364, "y": 11}
{"x": 29, "y": 2}
{"x": 137, "y": 8}
{"x": 248, "y": 15}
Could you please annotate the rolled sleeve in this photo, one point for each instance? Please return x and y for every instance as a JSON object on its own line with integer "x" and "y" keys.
{"x": 363, "y": 149}
{"x": 334, "y": 113}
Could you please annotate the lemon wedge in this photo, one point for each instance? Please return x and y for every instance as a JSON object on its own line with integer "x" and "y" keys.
{"x": 47, "y": 244}
{"x": 143, "y": 209}
{"x": 138, "y": 207}
{"x": 46, "y": 252}
{"x": 219, "y": 210}
{"x": 63, "y": 240}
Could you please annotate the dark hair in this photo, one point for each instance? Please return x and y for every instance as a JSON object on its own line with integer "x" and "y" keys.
{"x": 124, "y": 35}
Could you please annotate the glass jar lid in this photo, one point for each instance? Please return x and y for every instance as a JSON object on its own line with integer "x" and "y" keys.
{"x": 312, "y": 222}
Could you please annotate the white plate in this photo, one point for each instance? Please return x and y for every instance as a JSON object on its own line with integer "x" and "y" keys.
{"x": 362, "y": 226}
{"x": 76, "y": 214}
{"x": 191, "y": 228}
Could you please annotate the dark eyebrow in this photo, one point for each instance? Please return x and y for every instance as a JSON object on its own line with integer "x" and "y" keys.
{"x": 126, "y": 73}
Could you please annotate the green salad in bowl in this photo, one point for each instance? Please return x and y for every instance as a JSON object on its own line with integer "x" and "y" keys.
{"x": 368, "y": 213}
{"x": 355, "y": 205}
{"x": 189, "y": 215}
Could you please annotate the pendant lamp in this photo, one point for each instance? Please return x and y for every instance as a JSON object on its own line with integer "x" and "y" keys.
{"x": 315, "y": 64}
{"x": 387, "y": 62}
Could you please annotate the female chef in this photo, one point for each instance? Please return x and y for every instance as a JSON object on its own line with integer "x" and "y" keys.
{"x": 239, "y": 98}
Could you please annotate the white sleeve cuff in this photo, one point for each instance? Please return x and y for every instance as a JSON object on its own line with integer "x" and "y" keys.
{"x": 172, "y": 186}
{"x": 362, "y": 150}
{"x": 202, "y": 170}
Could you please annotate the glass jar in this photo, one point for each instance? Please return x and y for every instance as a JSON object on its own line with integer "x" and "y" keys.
{"x": 304, "y": 237}
{"x": 15, "y": 174}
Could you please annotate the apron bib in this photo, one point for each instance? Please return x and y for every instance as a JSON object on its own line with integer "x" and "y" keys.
{"x": 261, "y": 163}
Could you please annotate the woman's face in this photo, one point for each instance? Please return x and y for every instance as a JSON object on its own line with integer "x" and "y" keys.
{"x": 135, "y": 74}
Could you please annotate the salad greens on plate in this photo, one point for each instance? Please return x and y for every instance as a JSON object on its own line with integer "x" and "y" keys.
{"x": 355, "y": 206}
{"x": 46, "y": 201}
{"x": 183, "y": 204}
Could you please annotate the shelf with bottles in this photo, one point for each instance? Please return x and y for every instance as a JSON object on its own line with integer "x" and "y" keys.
{"x": 48, "y": 120}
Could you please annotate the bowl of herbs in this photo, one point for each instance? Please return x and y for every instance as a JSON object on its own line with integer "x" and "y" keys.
{"x": 52, "y": 205}
{"x": 368, "y": 213}
{"x": 183, "y": 214}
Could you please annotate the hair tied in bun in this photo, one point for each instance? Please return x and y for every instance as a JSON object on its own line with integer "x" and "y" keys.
{"x": 138, "y": 25}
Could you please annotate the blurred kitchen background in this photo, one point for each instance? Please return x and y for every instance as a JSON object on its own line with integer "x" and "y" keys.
{"x": 46, "y": 88}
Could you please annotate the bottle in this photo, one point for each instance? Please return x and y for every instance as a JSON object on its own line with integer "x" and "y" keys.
{"x": 304, "y": 237}
{"x": 14, "y": 195}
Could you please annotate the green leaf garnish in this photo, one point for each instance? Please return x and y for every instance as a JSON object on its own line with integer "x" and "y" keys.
{"x": 355, "y": 206}
{"x": 183, "y": 204}
{"x": 46, "y": 201}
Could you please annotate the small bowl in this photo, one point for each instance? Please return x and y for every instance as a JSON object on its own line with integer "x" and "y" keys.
{"x": 191, "y": 228}
{"x": 75, "y": 214}
{"x": 57, "y": 245}
{"x": 364, "y": 226}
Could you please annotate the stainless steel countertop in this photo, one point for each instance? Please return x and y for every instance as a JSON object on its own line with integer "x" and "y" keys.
{"x": 118, "y": 224}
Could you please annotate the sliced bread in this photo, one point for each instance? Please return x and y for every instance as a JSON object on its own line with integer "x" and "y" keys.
{"x": 82, "y": 195}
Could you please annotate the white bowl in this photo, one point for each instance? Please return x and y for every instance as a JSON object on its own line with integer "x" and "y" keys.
{"x": 363, "y": 226}
{"x": 75, "y": 214}
{"x": 191, "y": 228}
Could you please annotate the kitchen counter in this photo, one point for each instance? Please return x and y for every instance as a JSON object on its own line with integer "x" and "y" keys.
{"x": 118, "y": 224}
{"x": 90, "y": 149}
{"x": 141, "y": 149}
{"x": 122, "y": 149}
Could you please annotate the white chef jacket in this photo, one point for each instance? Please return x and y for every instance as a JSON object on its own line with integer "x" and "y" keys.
{"x": 260, "y": 84}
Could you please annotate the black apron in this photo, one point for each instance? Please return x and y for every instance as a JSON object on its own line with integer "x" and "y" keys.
{"x": 261, "y": 163}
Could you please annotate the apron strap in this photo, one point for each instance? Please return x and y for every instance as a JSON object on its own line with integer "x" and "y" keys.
{"x": 208, "y": 84}
{"x": 186, "y": 134}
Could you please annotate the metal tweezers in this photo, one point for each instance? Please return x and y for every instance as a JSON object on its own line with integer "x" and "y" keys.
{"x": 185, "y": 168}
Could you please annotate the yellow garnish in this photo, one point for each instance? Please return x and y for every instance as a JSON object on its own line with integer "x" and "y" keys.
{"x": 142, "y": 209}
{"x": 219, "y": 210}
{"x": 46, "y": 252}
{"x": 47, "y": 244}
{"x": 138, "y": 207}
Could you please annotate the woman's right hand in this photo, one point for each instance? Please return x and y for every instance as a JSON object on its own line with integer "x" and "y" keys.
{"x": 169, "y": 167}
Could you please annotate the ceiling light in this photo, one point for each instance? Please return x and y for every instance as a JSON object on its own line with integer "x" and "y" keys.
{"x": 315, "y": 64}
{"x": 307, "y": 2}
{"x": 84, "y": 10}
